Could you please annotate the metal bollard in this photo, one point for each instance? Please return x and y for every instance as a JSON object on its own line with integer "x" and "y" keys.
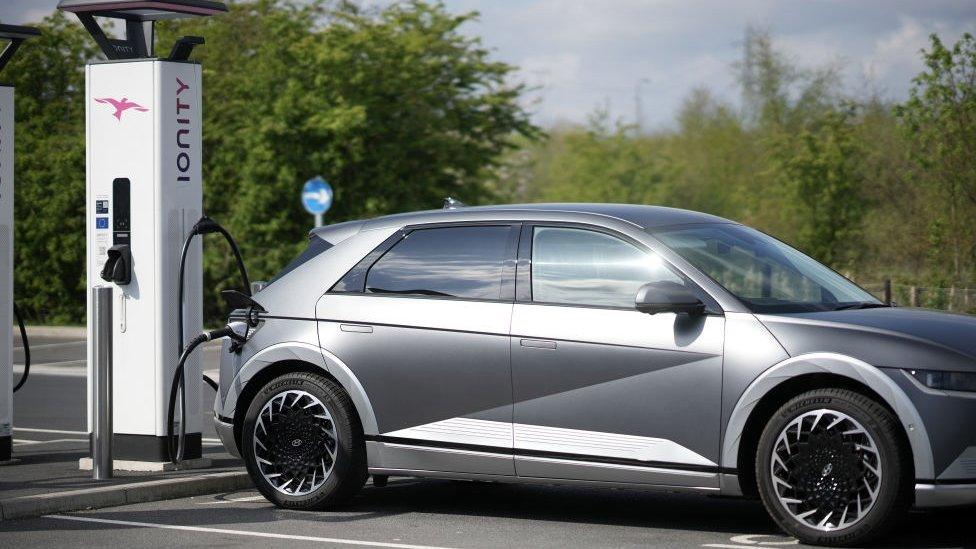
{"x": 101, "y": 411}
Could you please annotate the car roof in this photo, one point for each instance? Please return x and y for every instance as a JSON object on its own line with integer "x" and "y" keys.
{"x": 647, "y": 217}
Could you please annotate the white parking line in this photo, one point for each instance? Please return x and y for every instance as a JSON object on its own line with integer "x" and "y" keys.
{"x": 21, "y": 442}
{"x": 50, "y": 431}
{"x": 235, "y": 500}
{"x": 79, "y": 343}
{"x": 58, "y": 363}
{"x": 244, "y": 533}
{"x": 750, "y": 541}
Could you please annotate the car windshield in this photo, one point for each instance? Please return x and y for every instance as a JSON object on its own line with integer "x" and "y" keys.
{"x": 765, "y": 274}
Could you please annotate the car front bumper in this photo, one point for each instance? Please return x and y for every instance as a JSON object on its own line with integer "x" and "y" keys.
{"x": 944, "y": 495}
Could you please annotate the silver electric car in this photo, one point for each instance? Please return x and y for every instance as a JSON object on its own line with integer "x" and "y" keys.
{"x": 616, "y": 345}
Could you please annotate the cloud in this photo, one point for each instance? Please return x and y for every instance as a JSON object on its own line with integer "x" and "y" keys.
{"x": 596, "y": 52}
{"x": 584, "y": 53}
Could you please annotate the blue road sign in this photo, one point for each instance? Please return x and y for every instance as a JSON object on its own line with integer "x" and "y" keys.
{"x": 317, "y": 196}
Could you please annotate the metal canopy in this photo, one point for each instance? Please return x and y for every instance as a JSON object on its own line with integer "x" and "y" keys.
{"x": 15, "y": 34}
{"x": 143, "y": 10}
{"x": 139, "y": 17}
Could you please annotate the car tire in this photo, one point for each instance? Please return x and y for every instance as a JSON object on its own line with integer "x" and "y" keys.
{"x": 834, "y": 468}
{"x": 299, "y": 428}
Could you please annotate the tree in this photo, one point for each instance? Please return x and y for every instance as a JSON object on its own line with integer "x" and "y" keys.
{"x": 604, "y": 162}
{"x": 940, "y": 120}
{"x": 820, "y": 166}
{"x": 396, "y": 107}
{"x": 49, "y": 76}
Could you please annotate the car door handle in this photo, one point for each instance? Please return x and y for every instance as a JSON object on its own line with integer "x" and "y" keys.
{"x": 357, "y": 328}
{"x": 538, "y": 343}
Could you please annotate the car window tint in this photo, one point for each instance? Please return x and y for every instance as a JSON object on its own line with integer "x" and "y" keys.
{"x": 577, "y": 266}
{"x": 464, "y": 262}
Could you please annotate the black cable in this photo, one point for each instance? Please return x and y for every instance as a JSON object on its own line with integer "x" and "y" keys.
{"x": 27, "y": 357}
{"x": 204, "y": 226}
{"x": 176, "y": 454}
{"x": 213, "y": 384}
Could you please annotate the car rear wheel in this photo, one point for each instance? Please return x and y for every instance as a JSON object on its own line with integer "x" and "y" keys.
{"x": 303, "y": 444}
{"x": 833, "y": 468}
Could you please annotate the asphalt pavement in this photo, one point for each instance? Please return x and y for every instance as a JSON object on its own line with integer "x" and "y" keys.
{"x": 54, "y": 396}
{"x": 433, "y": 513}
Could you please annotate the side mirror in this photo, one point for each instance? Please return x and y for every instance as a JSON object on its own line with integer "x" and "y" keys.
{"x": 667, "y": 297}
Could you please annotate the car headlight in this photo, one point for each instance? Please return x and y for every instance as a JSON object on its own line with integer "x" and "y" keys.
{"x": 946, "y": 381}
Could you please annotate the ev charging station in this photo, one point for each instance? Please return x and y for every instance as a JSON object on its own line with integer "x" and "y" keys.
{"x": 144, "y": 194}
{"x": 15, "y": 35}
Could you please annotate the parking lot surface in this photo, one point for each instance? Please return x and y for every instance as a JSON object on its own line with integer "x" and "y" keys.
{"x": 415, "y": 513}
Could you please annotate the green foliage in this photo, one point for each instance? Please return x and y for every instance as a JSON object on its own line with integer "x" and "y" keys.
{"x": 48, "y": 73}
{"x": 873, "y": 189}
{"x": 600, "y": 164}
{"x": 396, "y": 107}
{"x": 819, "y": 166}
{"x": 940, "y": 120}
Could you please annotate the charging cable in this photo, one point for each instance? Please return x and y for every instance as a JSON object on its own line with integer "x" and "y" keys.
{"x": 202, "y": 227}
{"x": 176, "y": 454}
{"x": 27, "y": 357}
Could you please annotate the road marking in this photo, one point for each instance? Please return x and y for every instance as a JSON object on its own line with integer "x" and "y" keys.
{"x": 751, "y": 542}
{"x": 235, "y": 500}
{"x": 241, "y": 532}
{"x": 71, "y": 368}
{"x": 53, "y": 345}
{"x": 59, "y": 363}
{"x": 50, "y": 431}
{"x": 21, "y": 442}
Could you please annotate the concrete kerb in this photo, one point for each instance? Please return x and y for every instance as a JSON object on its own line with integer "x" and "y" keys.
{"x": 123, "y": 494}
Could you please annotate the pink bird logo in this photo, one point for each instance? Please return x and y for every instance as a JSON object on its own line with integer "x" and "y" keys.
{"x": 121, "y": 106}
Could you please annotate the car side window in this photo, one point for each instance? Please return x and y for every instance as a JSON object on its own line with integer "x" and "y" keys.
{"x": 583, "y": 267}
{"x": 463, "y": 262}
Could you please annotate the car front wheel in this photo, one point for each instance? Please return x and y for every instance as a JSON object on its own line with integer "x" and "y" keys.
{"x": 303, "y": 444}
{"x": 833, "y": 468}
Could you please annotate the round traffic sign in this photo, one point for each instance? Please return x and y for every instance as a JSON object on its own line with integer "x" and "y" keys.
{"x": 317, "y": 196}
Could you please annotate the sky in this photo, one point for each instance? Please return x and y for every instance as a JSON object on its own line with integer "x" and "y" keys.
{"x": 583, "y": 54}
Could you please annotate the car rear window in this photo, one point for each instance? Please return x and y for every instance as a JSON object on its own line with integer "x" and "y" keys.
{"x": 464, "y": 262}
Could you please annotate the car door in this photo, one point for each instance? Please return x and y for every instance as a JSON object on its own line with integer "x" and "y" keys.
{"x": 604, "y": 392}
{"x": 423, "y": 322}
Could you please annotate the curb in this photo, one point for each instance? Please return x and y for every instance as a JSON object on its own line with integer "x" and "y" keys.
{"x": 56, "y": 331}
{"x": 123, "y": 494}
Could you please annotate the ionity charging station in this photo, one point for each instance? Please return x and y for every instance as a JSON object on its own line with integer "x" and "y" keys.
{"x": 14, "y": 35}
{"x": 144, "y": 194}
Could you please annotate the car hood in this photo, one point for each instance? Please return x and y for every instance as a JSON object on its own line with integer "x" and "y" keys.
{"x": 887, "y": 337}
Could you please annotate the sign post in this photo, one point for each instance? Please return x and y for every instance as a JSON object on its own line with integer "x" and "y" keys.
{"x": 317, "y": 198}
